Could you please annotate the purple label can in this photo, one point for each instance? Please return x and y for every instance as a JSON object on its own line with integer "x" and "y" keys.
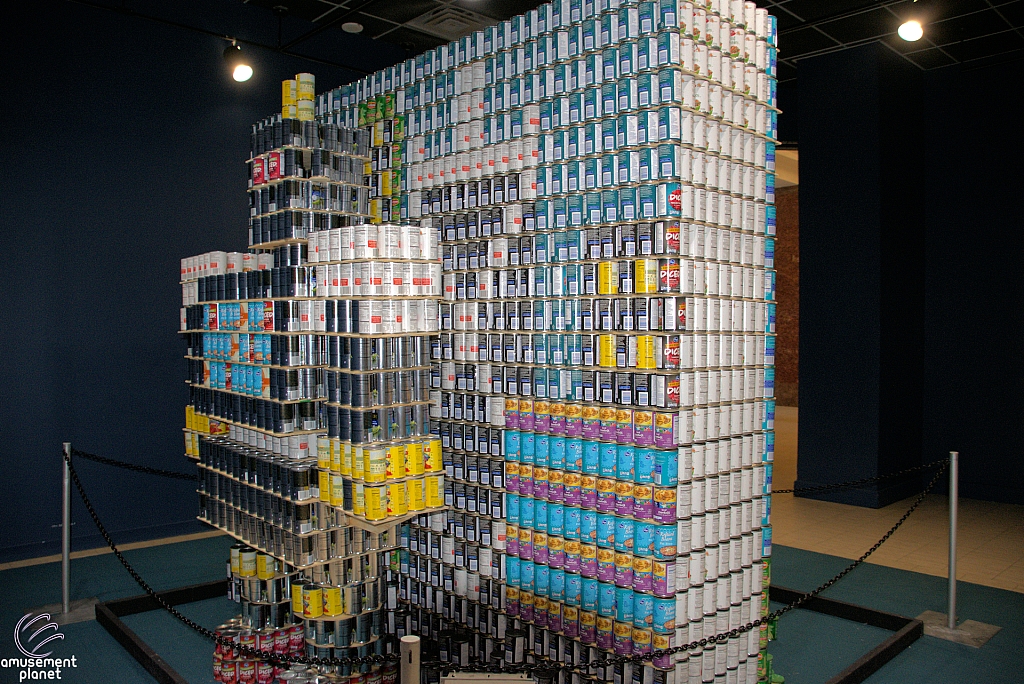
{"x": 540, "y": 548}
{"x": 643, "y": 502}
{"x": 591, "y": 428}
{"x": 588, "y": 491}
{"x": 609, "y": 425}
{"x": 588, "y": 626}
{"x": 540, "y": 611}
{"x": 556, "y": 486}
{"x": 570, "y": 621}
{"x": 664, "y": 505}
{"x": 526, "y": 605}
{"x": 573, "y": 493}
{"x": 511, "y": 419}
{"x": 512, "y": 540}
{"x": 624, "y": 570}
{"x": 512, "y": 601}
{"x": 588, "y": 560}
{"x": 605, "y": 495}
{"x": 556, "y": 552}
{"x": 623, "y": 498}
{"x": 622, "y": 641}
{"x": 572, "y": 556}
{"x": 606, "y": 565}
{"x": 624, "y": 426}
{"x": 554, "y": 616}
{"x": 663, "y": 642}
{"x": 643, "y": 575}
{"x": 526, "y": 420}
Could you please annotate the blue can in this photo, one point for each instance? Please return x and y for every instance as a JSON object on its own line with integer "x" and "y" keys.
{"x": 526, "y": 575}
{"x": 556, "y": 519}
{"x": 556, "y": 455}
{"x": 526, "y": 447}
{"x": 574, "y": 455}
{"x": 542, "y": 580}
{"x": 606, "y": 530}
{"x": 540, "y": 515}
{"x": 588, "y": 526}
{"x": 666, "y": 541}
{"x": 526, "y": 511}
{"x": 556, "y": 591}
{"x": 664, "y": 615}
{"x": 512, "y": 508}
{"x": 512, "y": 565}
{"x": 572, "y": 522}
{"x": 623, "y": 604}
{"x": 591, "y": 457}
{"x": 606, "y": 599}
{"x": 626, "y": 462}
{"x": 624, "y": 532}
{"x": 608, "y": 458}
{"x": 573, "y": 589}
{"x": 589, "y": 593}
{"x": 643, "y": 541}
{"x": 643, "y": 470}
{"x": 540, "y": 450}
{"x": 666, "y": 468}
{"x": 643, "y": 610}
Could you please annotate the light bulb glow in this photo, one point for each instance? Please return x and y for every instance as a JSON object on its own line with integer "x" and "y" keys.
{"x": 242, "y": 72}
{"x": 911, "y": 31}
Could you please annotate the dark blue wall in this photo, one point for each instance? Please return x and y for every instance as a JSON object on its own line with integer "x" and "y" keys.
{"x": 910, "y": 250}
{"x": 124, "y": 144}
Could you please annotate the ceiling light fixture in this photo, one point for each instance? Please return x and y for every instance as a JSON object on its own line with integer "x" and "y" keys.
{"x": 241, "y": 70}
{"x": 352, "y": 27}
{"x": 911, "y": 31}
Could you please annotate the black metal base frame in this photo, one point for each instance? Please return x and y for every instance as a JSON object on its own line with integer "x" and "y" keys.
{"x": 905, "y": 630}
{"x": 109, "y": 615}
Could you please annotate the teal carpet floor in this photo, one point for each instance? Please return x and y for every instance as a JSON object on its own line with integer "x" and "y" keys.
{"x": 810, "y": 649}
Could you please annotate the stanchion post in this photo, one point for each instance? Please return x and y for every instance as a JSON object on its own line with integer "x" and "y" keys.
{"x": 954, "y": 496}
{"x": 65, "y": 536}
{"x": 409, "y": 648}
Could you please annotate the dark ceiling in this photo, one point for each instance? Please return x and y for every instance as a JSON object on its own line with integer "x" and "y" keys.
{"x": 967, "y": 31}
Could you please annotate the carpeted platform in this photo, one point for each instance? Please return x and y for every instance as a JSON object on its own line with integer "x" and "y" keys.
{"x": 811, "y": 647}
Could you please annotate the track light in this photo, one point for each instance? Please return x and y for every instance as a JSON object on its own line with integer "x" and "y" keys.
{"x": 240, "y": 68}
{"x": 911, "y": 31}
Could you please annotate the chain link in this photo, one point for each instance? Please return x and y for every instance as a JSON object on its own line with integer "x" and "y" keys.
{"x": 857, "y": 483}
{"x": 209, "y": 634}
{"x": 724, "y": 636}
{"x": 521, "y": 668}
{"x": 132, "y": 466}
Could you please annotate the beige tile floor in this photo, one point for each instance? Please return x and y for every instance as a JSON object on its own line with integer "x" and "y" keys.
{"x": 990, "y": 543}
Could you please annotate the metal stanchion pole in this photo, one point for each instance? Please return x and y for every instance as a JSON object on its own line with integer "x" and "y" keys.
{"x": 65, "y": 534}
{"x": 954, "y": 494}
{"x": 409, "y": 648}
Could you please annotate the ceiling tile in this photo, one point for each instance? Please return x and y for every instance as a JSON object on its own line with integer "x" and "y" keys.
{"x": 861, "y": 26}
{"x": 415, "y": 41}
{"x": 1013, "y": 12}
{"x": 400, "y": 12}
{"x": 812, "y": 10}
{"x": 300, "y": 9}
{"x": 372, "y": 26}
{"x": 965, "y": 28}
{"x": 499, "y": 9}
{"x": 932, "y": 58}
{"x": 985, "y": 47}
{"x": 804, "y": 41}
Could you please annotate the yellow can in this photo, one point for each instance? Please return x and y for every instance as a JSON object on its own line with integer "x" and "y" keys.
{"x": 288, "y": 92}
{"x": 305, "y": 86}
{"x": 433, "y": 462}
{"x": 606, "y": 351}
{"x": 414, "y": 459}
{"x": 416, "y": 499}
{"x": 375, "y": 502}
{"x": 325, "y": 485}
{"x": 289, "y": 112}
{"x": 312, "y": 601}
{"x": 332, "y": 599}
{"x": 645, "y": 356}
{"x": 398, "y": 499}
{"x": 435, "y": 491}
{"x": 247, "y": 562}
{"x": 358, "y": 462}
{"x": 645, "y": 275}
{"x": 395, "y": 462}
{"x": 608, "y": 277}
{"x": 305, "y": 110}
{"x": 337, "y": 490}
{"x": 266, "y": 566}
{"x": 323, "y": 452}
{"x": 358, "y": 498}
{"x": 297, "y": 585}
{"x": 343, "y": 454}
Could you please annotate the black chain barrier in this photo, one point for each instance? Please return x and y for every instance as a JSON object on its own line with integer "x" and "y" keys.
{"x": 132, "y": 466}
{"x": 269, "y": 656}
{"x": 866, "y": 480}
{"x": 549, "y": 668}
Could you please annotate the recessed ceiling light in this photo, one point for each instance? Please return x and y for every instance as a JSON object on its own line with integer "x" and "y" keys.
{"x": 352, "y": 27}
{"x": 911, "y": 31}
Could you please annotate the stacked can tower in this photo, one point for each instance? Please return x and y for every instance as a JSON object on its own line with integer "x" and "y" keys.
{"x": 384, "y": 170}
{"x": 308, "y": 368}
{"x": 601, "y": 175}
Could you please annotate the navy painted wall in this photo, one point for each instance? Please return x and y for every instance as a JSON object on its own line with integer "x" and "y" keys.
{"x": 125, "y": 144}
{"x": 911, "y": 237}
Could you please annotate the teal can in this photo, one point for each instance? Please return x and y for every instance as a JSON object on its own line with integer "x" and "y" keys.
{"x": 664, "y": 616}
{"x": 590, "y": 593}
{"x": 591, "y": 457}
{"x": 624, "y": 604}
{"x": 643, "y": 610}
{"x": 606, "y": 599}
{"x": 626, "y": 457}
{"x": 643, "y": 471}
{"x": 643, "y": 538}
{"x": 608, "y": 460}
